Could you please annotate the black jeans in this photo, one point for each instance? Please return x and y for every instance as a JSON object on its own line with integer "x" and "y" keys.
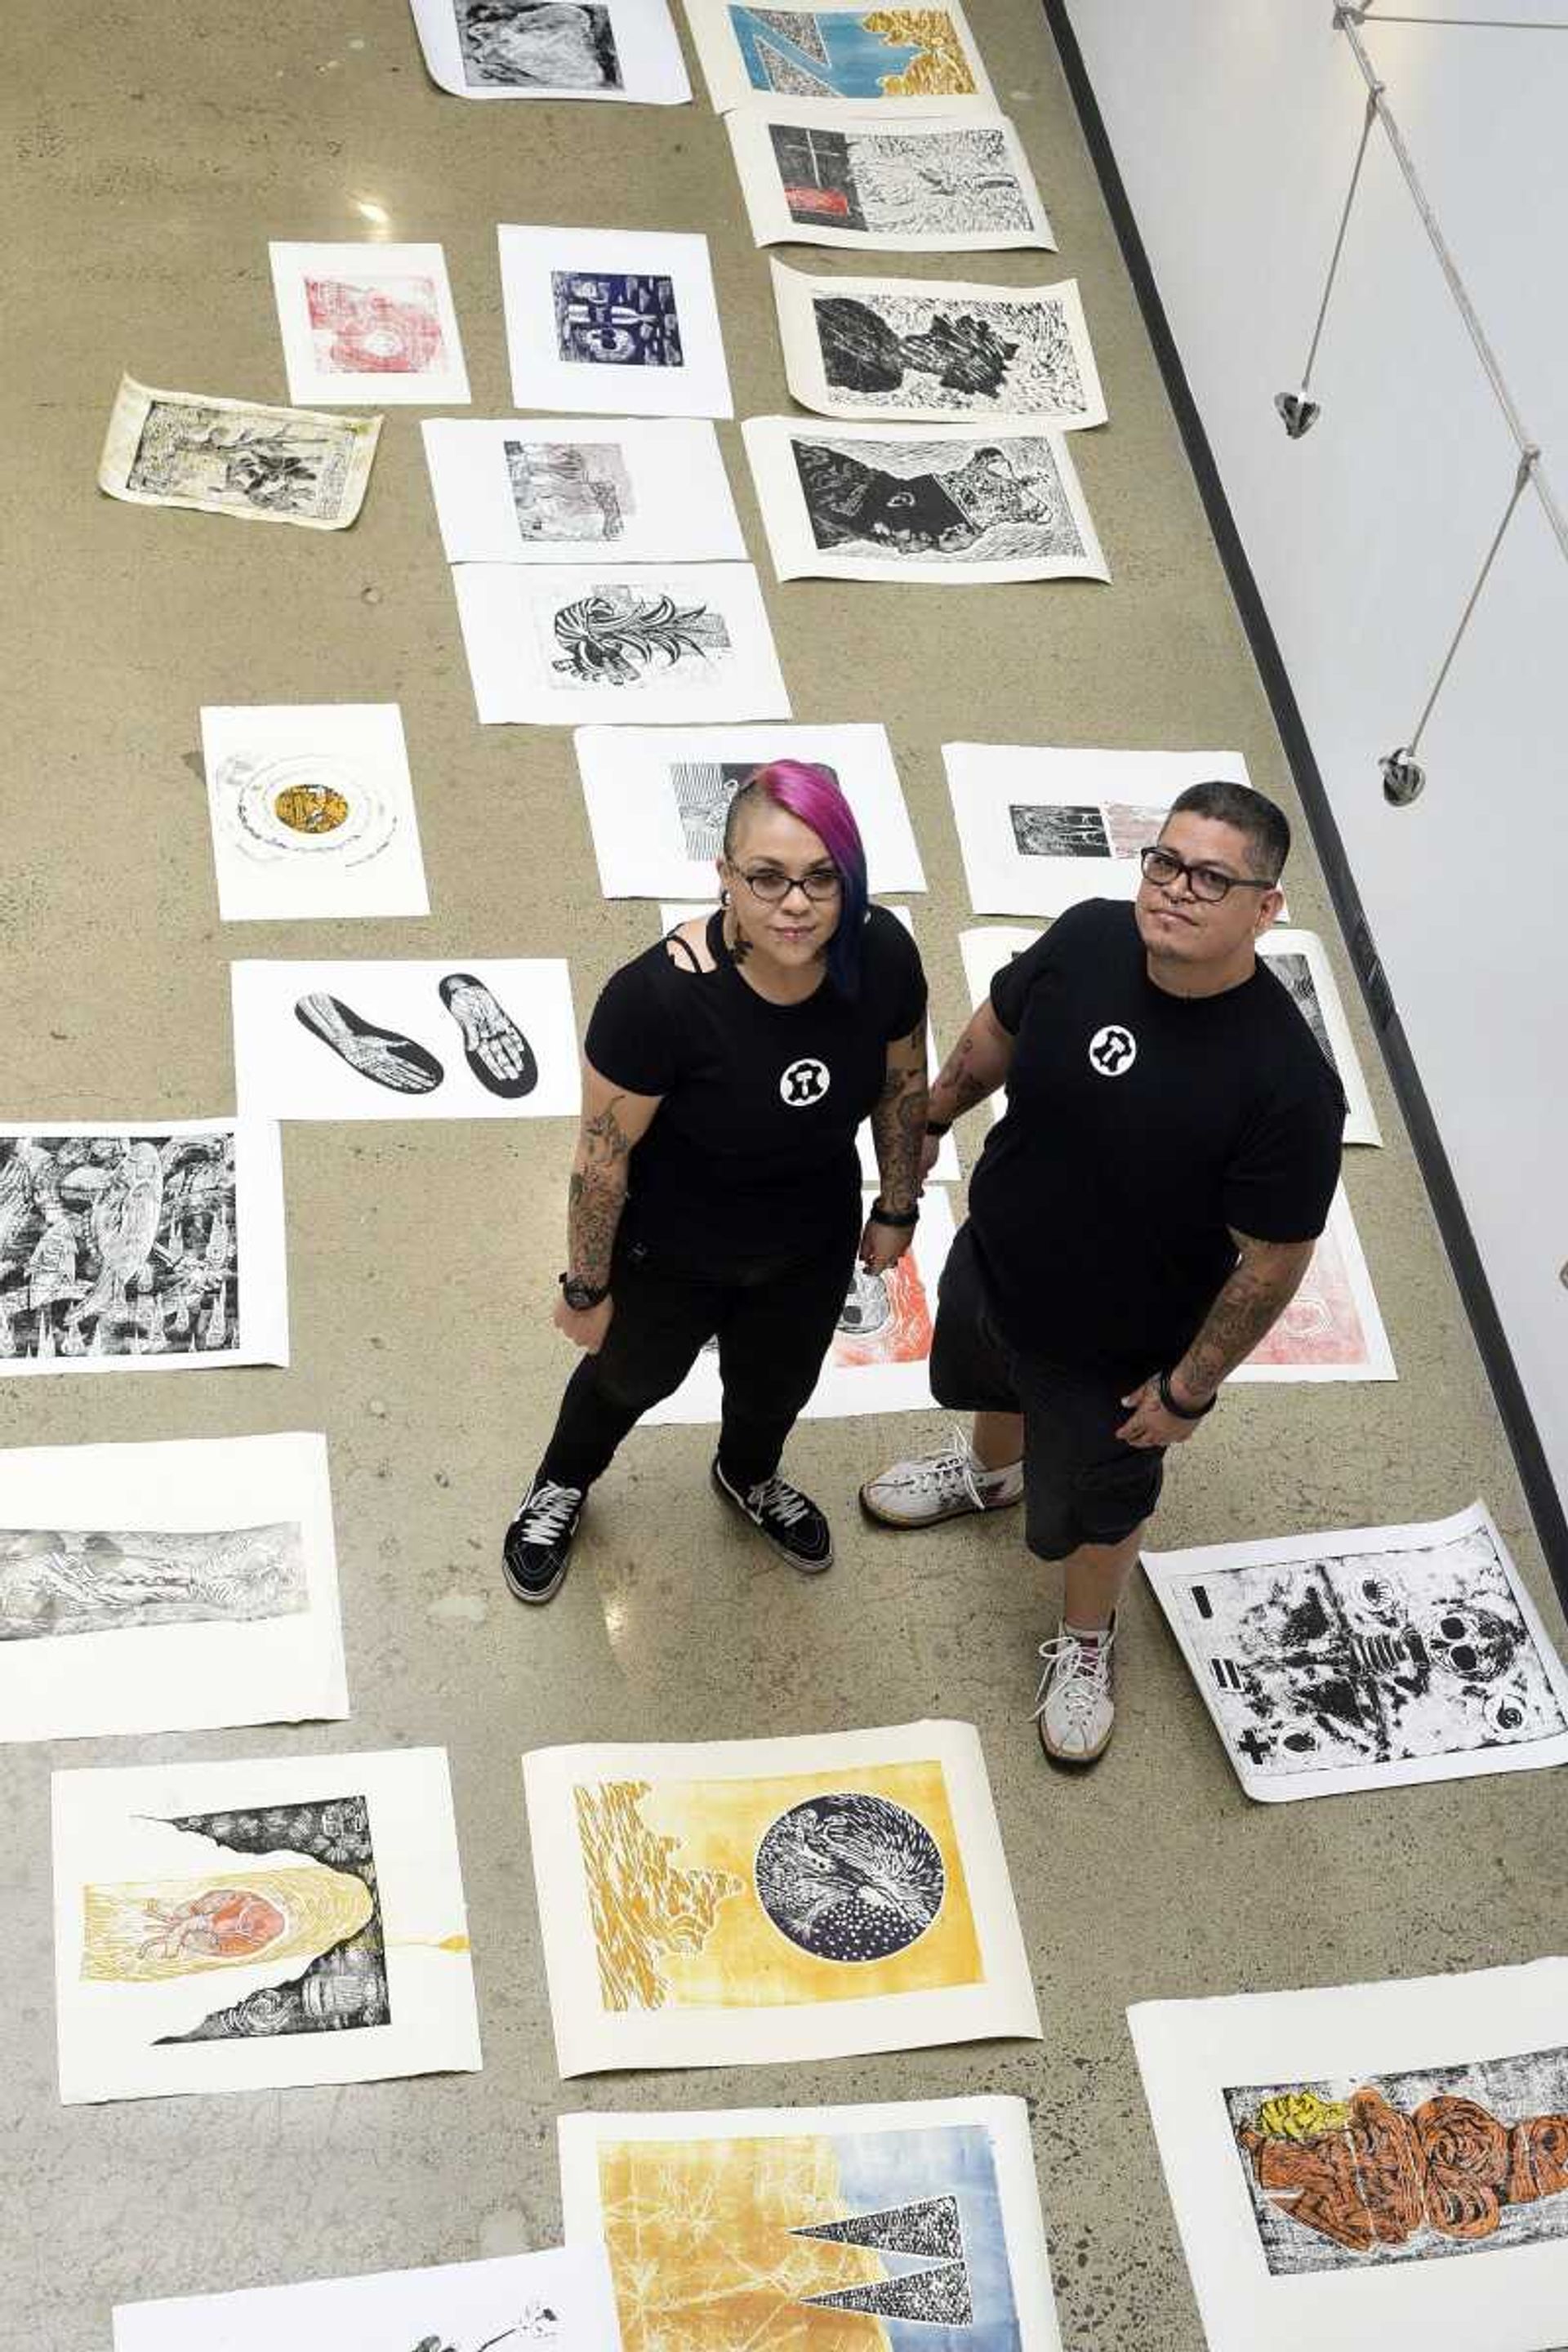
{"x": 772, "y": 1324}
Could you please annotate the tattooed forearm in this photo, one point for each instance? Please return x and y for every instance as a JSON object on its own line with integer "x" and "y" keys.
{"x": 975, "y": 1067}
{"x": 897, "y": 1130}
{"x": 1266, "y": 1278}
{"x": 596, "y": 1196}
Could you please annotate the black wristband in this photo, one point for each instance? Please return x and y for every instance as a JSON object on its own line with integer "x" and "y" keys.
{"x": 582, "y": 1296}
{"x": 901, "y": 1219}
{"x": 939, "y": 1127}
{"x": 1183, "y": 1412}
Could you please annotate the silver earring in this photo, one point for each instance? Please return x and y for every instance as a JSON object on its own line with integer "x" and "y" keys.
{"x": 723, "y": 898}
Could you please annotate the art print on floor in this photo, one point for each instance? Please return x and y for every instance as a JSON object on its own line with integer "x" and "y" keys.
{"x": 1333, "y": 1328}
{"x": 558, "y": 2301}
{"x": 908, "y": 349}
{"x": 906, "y": 62}
{"x": 942, "y": 504}
{"x": 1397, "y": 2154}
{"x": 167, "y": 1588}
{"x": 1043, "y": 829}
{"x": 312, "y": 812}
{"x": 612, "y": 321}
{"x": 368, "y": 322}
{"x": 816, "y": 175}
{"x": 140, "y": 1248}
{"x": 1367, "y": 1658}
{"x": 658, "y": 643}
{"x": 469, "y": 1037}
{"x": 812, "y": 2229}
{"x": 658, "y": 799}
{"x": 248, "y": 1925}
{"x": 1299, "y": 960}
{"x": 624, "y": 50}
{"x": 742, "y": 1902}
{"x": 524, "y": 491}
{"x": 236, "y": 457}
{"x": 876, "y": 1361}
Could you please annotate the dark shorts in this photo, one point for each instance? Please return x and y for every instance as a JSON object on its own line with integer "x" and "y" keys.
{"x": 1081, "y": 1485}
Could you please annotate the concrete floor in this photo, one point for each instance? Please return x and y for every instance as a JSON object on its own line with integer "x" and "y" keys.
{"x": 151, "y": 153}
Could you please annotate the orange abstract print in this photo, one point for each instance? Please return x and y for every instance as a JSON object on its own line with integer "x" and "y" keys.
{"x": 886, "y": 1319}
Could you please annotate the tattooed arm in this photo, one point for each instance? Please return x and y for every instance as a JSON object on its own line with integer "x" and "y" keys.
{"x": 612, "y": 1122}
{"x": 897, "y": 1131}
{"x": 976, "y": 1066}
{"x": 1265, "y": 1278}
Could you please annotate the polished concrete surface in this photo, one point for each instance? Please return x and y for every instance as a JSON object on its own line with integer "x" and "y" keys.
{"x": 151, "y": 153}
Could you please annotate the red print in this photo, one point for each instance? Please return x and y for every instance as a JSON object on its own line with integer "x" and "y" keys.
{"x": 386, "y": 326}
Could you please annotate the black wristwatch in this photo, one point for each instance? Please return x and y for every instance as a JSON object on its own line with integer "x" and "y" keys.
{"x": 1183, "y": 1412}
{"x": 581, "y": 1295}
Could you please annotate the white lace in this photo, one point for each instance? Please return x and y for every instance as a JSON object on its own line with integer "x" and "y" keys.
{"x": 1077, "y": 1675}
{"x": 950, "y": 1473}
{"x": 546, "y": 1513}
{"x": 786, "y": 1503}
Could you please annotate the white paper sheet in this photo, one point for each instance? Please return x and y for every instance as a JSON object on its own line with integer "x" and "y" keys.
{"x": 673, "y": 2196}
{"x": 365, "y": 321}
{"x": 147, "y": 1246}
{"x": 1372, "y": 2055}
{"x": 312, "y": 812}
{"x": 1332, "y": 1329}
{"x": 816, "y": 174}
{"x": 317, "y": 1896}
{"x": 617, "y": 49}
{"x": 236, "y": 457}
{"x": 1043, "y": 829}
{"x": 557, "y": 490}
{"x": 653, "y": 644}
{"x": 946, "y": 505}
{"x": 656, "y": 798}
{"x": 167, "y": 1588}
{"x": 463, "y": 1037}
{"x": 839, "y": 51}
{"x": 560, "y": 2299}
{"x": 747, "y": 1901}
{"x": 1367, "y": 1658}
{"x": 945, "y": 1168}
{"x": 908, "y": 348}
{"x": 880, "y": 1354}
{"x": 1301, "y": 959}
{"x": 614, "y": 321}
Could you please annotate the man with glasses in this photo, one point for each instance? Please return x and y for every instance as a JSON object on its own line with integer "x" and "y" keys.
{"x": 1142, "y": 1214}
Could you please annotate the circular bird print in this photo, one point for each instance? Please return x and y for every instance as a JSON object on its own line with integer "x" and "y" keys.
{"x": 850, "y": 1877}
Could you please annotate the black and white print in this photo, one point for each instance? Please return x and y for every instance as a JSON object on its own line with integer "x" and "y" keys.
{"x": 1299, "y": 960}
{"x": 569, "y": 490}
{"x": 559, "y": 489}
{"x": 702, "y": 791}
{"x": 55, "y": 1582}
{"x": 1057, "y": 829}
{"x": 850, "y": 1877}
{"x": 233, "y": 457}
{"x": 947, "y": 187}
{"x": 540, "y": 45}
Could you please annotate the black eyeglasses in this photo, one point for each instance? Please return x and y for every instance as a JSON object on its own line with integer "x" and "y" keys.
{"x": 1209, "y": 883}
{"x": 771, "y": 884}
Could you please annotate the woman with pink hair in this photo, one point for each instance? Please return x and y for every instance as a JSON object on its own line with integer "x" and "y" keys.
{"x": 715, "y": 1191}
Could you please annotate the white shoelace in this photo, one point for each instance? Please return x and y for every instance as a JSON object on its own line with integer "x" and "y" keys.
{"x": 1078, "y": 1672}
{"x": 547, "y": 1512}
{"x": 952, "y": 1472}
{"x": 786, "y": 1503}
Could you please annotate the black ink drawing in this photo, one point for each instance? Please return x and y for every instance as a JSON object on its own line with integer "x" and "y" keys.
{"x": 569, "y": 490}
{"x": 1052, "y": 829}
{"x": 928, "y": 2231}
{"x": 620, "y": 634}
{"x": 346, "y": 1985}
{"x": 908, "y": 350}
{"x": 912, "y": 183}
{"x": 1380, "y": 1658}
{"x": 300, "y": 804}
{"x": 537, "y": 45}
{"x": 383, "y": 1055}
{"x": 850, "y": 1877}
{"x": 1406, "y": 2167}
{"x": 866, "y": 1307}
{"x": 494, "y": 1048}
{"x": 703, "y": 790}
{"x": 1295, "y": 973}
{"x": 218, "y": 457}
{"x": 971, "y": 500}
{"x": 1131, "y": 827}
{"x": 538, "y": 2325}
{"x": 55, "y": 1582}
{"x": 117, "y": 1246}
{"x": 615, "y": 320}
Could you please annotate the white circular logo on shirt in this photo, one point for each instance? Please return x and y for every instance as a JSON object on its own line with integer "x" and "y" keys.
{"x": 1113, "y": 1050}
{"x": 805, "y": 1083}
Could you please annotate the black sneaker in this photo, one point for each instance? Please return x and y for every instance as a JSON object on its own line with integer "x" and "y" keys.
{"x": 539, "y": 1541}
{"x": 790, "y": 1520}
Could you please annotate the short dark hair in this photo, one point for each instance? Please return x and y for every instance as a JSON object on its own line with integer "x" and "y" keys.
{"x": 1267, "y": 827}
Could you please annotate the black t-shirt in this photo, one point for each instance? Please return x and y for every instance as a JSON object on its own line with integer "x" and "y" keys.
{"x": 751, "y": 1155}
{"x": 1140, "y": 1128}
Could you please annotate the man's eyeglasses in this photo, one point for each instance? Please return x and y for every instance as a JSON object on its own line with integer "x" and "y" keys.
{"x": 771, "y": 884}
{"x": 1209, "y": 883}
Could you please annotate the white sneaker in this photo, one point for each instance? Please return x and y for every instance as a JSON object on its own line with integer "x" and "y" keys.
{"x": 940, "y": 1487}
{"x": 1074, "y": 1707}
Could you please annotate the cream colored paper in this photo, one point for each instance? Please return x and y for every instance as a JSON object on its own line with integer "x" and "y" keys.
{"x": 925, "y": 62}
{"x": 236, "y": 457}
{"x": 816, "y": 174}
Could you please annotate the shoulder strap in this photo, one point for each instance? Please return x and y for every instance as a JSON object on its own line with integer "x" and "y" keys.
{"x": 673, "y": 939}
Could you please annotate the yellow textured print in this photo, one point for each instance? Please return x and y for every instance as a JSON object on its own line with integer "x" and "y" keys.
{"x": 698, "y": 2233}
{"x": 141, "y": 1933}
{"x": 941, "y": 71}
{"x": 776, "y": 1893}
{"x": 1301, "y": 2116}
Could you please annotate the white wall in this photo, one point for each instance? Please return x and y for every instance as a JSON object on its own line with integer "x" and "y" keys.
{"x": 1234, "y": 123}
